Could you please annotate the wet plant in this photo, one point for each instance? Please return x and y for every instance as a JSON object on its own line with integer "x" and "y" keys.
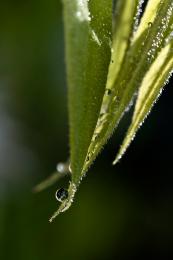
{"x": 118, "y": 53}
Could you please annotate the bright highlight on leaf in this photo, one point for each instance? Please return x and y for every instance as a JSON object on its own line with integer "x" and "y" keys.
{"x": 114, "y": 53}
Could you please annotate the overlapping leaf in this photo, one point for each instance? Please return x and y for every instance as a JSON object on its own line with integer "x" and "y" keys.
{"x": 88, "y": 29}
{"x": 149, "y": 91}
{"x": 139, "y": 57}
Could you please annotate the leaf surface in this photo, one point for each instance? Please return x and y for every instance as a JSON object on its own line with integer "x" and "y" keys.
{"x": 138, "y": 59}
{"x": 149, "y": 91}
{"x": 88, "y": 36}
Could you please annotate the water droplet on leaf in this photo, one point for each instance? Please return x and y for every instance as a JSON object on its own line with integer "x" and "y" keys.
{"x": 108, "y": 91}
{"x": 61, "y": 194}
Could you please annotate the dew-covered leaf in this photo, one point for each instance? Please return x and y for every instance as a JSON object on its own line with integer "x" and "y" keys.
{"x": 88, "y": 36}
{"x": 123, "y": 25}
{"x": 137, "y": 61}
{"x": 125, "y": 15}
{"x": 148, "y": 17}
{"x": 149, "y": 91}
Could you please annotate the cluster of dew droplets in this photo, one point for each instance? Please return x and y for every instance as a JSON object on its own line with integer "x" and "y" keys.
{"x": 170, "y": 36}
{"x": 142, "y": 122}
{"x": 82, "y": 13}
{"x": 138, "y": 16}
{"x": 157, "y": 41}
{"x": 131, "y": 135}
{"x": 155, "y": 101}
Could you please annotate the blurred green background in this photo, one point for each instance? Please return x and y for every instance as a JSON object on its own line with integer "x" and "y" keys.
{"x": 119, "y": 212}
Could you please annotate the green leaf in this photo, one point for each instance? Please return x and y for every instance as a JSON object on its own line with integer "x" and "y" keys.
{"x": 138, "y": 59}
{"x": 88, "y": 26}
{"x": 88, "y": 35}
{"x": 124, "y": 22}
{"x": 149, "y": 91}
{"x": 66, "y": 203}
{"x": 123, "y": 25}
{"x": 148, "y": 17}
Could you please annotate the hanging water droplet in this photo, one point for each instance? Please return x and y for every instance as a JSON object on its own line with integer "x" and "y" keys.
{"x": 61, "y": 167}
{"x": 61, "y": 194}
{"x": 150, "y": 24}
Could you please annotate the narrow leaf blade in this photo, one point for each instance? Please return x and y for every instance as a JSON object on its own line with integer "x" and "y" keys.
{"x": 88, "y": 57}
{"x": 88, "y": 34}
{"x": 149, "y": 91}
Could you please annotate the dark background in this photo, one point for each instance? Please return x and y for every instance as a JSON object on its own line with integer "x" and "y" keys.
{"x": 120, "y": 212}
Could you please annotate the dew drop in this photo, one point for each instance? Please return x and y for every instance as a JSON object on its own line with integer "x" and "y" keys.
{"x": 83, "y": 13}
{"x": 108, "y": 91}
{"x": 61, "y": 194}
{"x": 61, "y": 168}
{"x": 150, "y": 24}
{"x": 137, "y": 17}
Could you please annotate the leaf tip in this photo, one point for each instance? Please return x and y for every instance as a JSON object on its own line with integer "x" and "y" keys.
{"x": 65, "y": 205}
{"x": 116, "y": 160}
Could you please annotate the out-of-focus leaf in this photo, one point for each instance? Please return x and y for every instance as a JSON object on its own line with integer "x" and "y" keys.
{"x": 62, "y": 171}
{"x": 149, "y": 91}
{"x": 88, "y": 30}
